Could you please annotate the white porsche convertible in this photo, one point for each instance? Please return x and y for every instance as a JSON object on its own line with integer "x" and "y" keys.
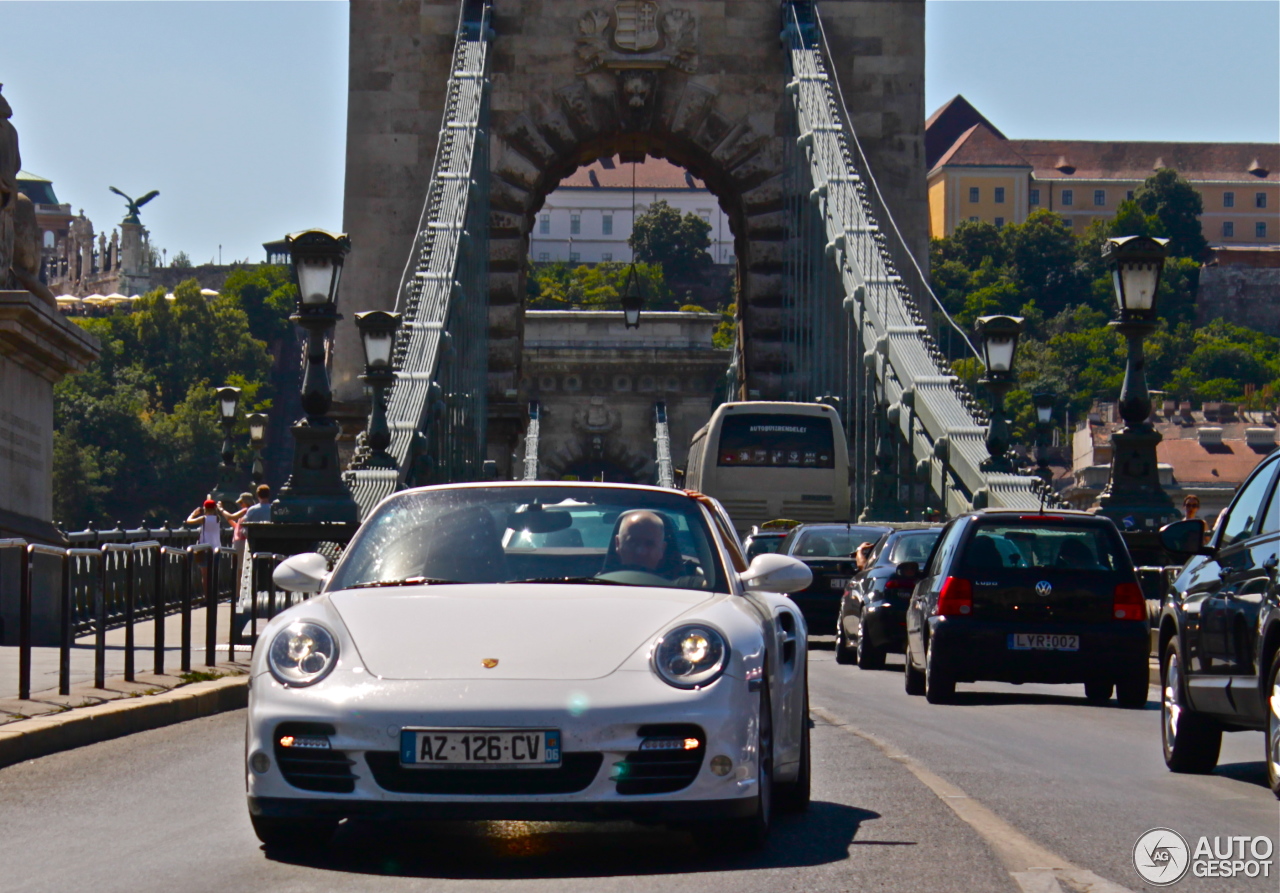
{"x": 536, "y": 651}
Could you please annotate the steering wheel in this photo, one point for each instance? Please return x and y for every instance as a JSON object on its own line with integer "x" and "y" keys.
{"x": 635, "y": 578}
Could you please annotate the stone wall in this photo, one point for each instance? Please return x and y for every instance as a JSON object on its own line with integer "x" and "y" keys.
{"x": 1243, "y": 295}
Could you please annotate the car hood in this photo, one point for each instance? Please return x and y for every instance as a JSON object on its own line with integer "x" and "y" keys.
{"x": 532, "y": 631}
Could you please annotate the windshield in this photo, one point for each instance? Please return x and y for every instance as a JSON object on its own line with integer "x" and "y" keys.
{"x": 832, "y": 542}
{"x": 759, "y": 545}
{"x": 534, "y": 533}
{"x": 777, "y": 441}
{"x": 913, "y": 547}
{"x": 1076, "y": 548}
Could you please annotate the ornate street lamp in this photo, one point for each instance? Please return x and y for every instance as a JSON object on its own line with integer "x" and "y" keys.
{"x": 378, "y": 335}
{"x": 632, "y": 300}
{"x": 1134, "y": 498}
{"x": 1044, "y": 404}
{"x": 257, "y": 440}
{"x": 999, "y": 336}
{"x": 315, "y": 492}
{"x": 228, "y": 481}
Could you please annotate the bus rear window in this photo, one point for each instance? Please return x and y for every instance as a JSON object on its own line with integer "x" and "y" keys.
{"x": 776, "y": 441}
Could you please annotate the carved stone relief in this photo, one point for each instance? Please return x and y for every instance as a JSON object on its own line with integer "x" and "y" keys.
{"x": 637, "y": 34}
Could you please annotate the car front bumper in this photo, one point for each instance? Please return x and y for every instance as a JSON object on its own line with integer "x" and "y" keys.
{"x": 973, "y": 650}
{"x": 601, "y": 716}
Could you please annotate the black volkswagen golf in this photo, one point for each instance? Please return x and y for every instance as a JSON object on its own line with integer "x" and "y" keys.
{"x": 1017, "y": 596}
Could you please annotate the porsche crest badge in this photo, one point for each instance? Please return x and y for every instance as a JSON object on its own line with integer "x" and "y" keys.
{"x": 489, "y": 662}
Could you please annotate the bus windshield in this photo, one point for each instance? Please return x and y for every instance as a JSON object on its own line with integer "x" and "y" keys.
{"x": 776, "y": 441}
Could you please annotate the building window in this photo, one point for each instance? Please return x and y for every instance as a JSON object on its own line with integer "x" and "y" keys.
{"x": 999, "y": 195}
{"x": 973, "y": 193}
{"x": 1259, "y": 199}
{"x": 999, "y": 222}
{"x": 544, "y": 224}
{"x": 574, "y": 257}
{"x": 1228, "y": 199}
{"x": 575, "y": 224}
{"x": 1099, "y": 197}
{"x": 607, "y": 257}
{"x": 1260, "y": 230}
{"x": 1068, "y": 222}
{"x": 544, "y": 257}
{"x": 705, "y": 214}
{"x": 973, "y": 219}
{"x": 1068, "y": 198}
{"x": 1228, "y": 229}
{"x": 606, "y": 225}
{"x": 1033, "y": 197}
{"x": 1128, "y": 196}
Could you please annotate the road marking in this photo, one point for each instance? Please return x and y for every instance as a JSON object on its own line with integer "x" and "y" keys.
{"x": 1033, "y": 868}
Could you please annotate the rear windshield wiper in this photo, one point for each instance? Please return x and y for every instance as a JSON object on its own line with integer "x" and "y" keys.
{"x": 407, "y": 581}
{"x": 595, "y": 580}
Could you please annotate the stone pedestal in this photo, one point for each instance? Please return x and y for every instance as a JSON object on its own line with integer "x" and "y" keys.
{"x": 38, "y": 347}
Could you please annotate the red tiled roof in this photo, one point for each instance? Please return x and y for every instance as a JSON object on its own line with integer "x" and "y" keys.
{"x": 1229, "y": 463}
{"x": 1138, "y": 160}
{"x": 652, "y": 173}
{"x": 981, "y": 146}
{"x": 947, "y": 125}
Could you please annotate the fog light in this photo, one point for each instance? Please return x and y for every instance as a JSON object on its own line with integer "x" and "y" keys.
{"x": 721, "y": 765}
{"x": 259, "y": 762}
{"x": 305, "y": 742}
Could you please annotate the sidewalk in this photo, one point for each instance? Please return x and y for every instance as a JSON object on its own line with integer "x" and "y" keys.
{"x": 44, "y": 667}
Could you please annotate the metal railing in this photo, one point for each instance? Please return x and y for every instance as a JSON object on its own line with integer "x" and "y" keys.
{"x": 662, "y": 443}
{"x": 531, "y": 437}
{"x": 56, "y": 595}
{"x": 859, "y": 267}
{"x": 437, "y": 408}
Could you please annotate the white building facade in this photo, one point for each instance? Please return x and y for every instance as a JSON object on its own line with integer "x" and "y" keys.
{"x": 588, "y": 218}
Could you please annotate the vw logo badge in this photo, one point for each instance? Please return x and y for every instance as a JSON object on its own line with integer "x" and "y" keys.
{"x": 1044, "y": 588}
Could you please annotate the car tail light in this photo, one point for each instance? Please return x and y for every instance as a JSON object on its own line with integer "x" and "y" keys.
{"x": 899, "y": 583}
{"x": 955, "y": 599}
{"x": 1129, "y": 603}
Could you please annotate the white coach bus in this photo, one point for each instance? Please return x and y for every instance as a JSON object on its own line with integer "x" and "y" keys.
{"x": 765, "y": 460}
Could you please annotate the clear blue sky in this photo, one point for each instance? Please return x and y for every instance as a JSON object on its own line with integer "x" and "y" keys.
{"x": 236, "y": 111}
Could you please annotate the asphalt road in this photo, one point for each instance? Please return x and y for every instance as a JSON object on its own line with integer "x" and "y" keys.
{"x": 907, "y": 796}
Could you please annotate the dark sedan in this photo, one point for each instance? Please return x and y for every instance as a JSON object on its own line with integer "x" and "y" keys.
{"x": 1029, "y": 597}
{"x": 873, "y": 612}
{"x": 826, "y": 549}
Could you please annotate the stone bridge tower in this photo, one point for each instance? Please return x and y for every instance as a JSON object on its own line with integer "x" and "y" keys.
{"x": 699, "y": 82}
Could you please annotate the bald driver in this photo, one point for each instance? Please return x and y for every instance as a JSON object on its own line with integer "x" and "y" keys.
{"x": 641, "y": 541}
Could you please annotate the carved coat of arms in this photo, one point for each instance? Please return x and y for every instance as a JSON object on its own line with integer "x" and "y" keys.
{"x": 637, "y": 25}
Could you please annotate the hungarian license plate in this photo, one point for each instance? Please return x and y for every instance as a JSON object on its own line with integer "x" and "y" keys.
{"x": 839, "y": 582}
{"x": 504, "y": 748}
{"x": 1043, "y": 642}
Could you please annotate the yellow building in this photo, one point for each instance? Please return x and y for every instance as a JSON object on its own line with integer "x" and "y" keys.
{"x": 977, "y": 173}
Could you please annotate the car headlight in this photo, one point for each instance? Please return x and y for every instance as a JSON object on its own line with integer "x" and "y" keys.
{"x": 690, "y": 656}
{"x": 302, "y": 654}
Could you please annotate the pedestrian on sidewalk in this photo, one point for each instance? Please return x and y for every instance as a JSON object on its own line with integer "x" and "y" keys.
{"x": 237, "y": 532}
{"x": 208, "y": 517}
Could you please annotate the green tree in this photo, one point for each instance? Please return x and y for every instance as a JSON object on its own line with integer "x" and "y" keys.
{"x": 1042, "y": 259}
{"x": 181, "y": 261}
{"x": 679, "y": 243}
{"x": 1173, "y": 200}
{"x": 267, "y": 296}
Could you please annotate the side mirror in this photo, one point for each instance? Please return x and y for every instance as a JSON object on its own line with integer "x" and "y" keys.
{"x": 909, "y": 570}
{"x": 772, "y": 572}
{"x": 1185, "y": 538}
{"x": 305, "y": 572}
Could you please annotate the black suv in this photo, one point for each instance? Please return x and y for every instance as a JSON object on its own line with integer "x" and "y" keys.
{"x": 1220, "y": 630}
{"x": 1024, "y": 596}
{"x": 827, "y": 550}
{"x": 873, "y": 612}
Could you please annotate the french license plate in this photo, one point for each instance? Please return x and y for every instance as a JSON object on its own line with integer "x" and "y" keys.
{"x": 504, "y": 748}
{"x": 1043, "y": 642}
{"x": 839, "y": 582}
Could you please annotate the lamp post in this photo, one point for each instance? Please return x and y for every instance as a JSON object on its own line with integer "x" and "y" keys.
{"x": 257, "y": 439}
{"x": 228, "y": 484}
{"x": 1044, "y": 403}
{"x": 378, "y": 336}
{"x": 1134, "y": 498}
{"x": 315, "y": 492}
{"x": 999, "y": 336}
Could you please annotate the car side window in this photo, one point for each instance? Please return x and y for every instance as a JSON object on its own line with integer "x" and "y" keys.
{"x": 1247, "y": 508}
{"x": 1271, "y": 517}
{"x": 947, "y": 545}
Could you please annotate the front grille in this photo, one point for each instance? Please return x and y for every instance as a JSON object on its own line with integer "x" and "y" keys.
{"x": 575, "y": 773}
{"x": 658, "y": 771}
{"x": 313, "y": 770}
